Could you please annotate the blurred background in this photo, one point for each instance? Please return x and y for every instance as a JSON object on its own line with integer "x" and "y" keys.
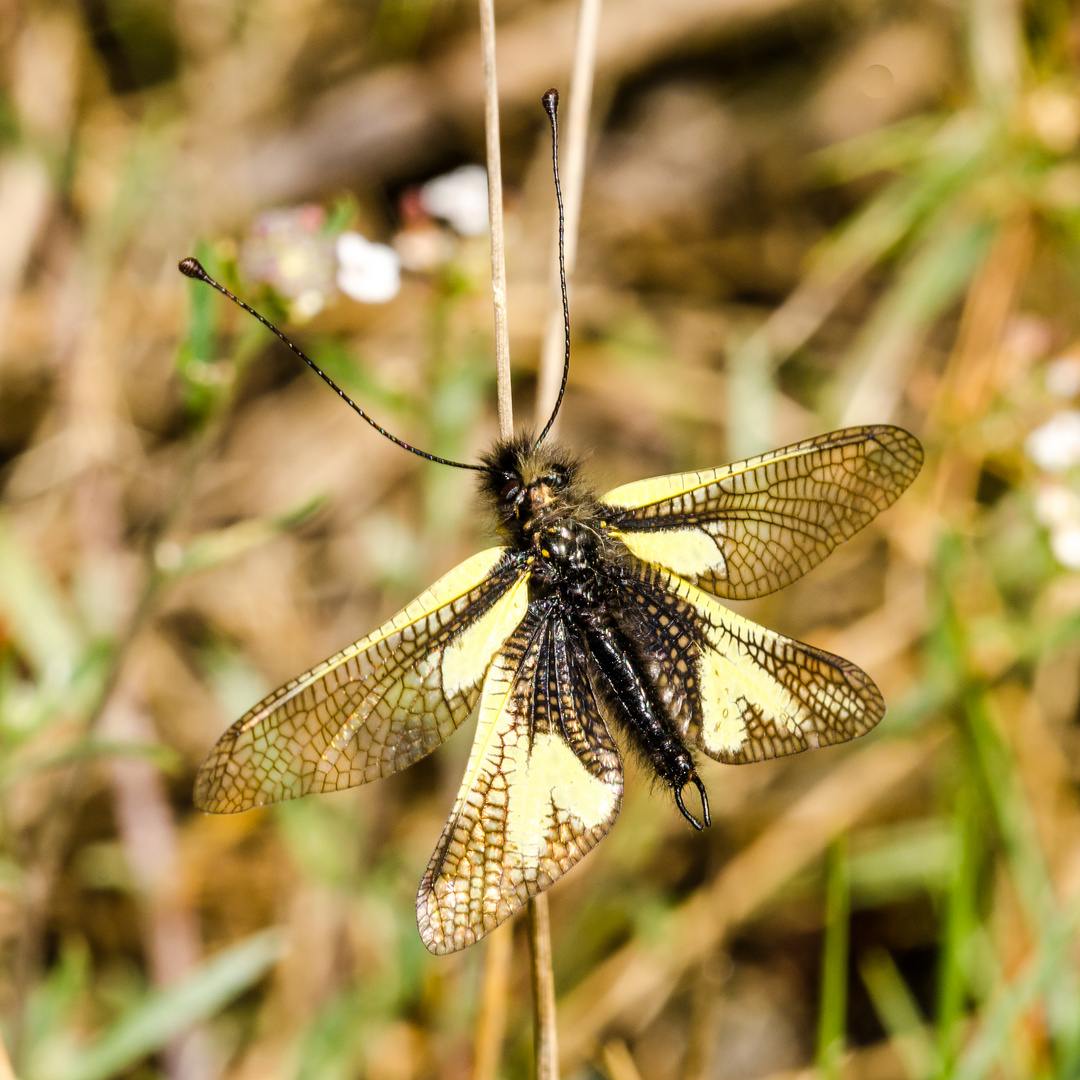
{"x": 798, "y": 214}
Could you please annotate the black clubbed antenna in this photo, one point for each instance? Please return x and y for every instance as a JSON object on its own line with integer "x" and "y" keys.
{"x": 551, "y": 107}
{"x": 192, "y": 268}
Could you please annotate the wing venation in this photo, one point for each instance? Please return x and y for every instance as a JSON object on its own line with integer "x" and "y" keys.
{"x": 738, "y": 691}
{"x": 754, "y": 526}
{"x": 377, "y": 706}
{"x": 543, "y": 785}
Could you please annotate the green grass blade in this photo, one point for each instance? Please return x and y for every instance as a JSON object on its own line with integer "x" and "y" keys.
{"x": 832, "y": 1015}
{"x": 218, "y": 546}
{"x": 992, "y": 1040}
{"x": 928, "y": 283}
{"x": 899, "y": 1014}
{"x": 168, "y": 1013}
{"x": 896, "y": 862}
{"x": 16, "y": 770}
{"x": 959, "y": 923}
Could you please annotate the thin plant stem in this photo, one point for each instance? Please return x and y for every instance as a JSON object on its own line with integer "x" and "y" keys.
{"x": 575, "y": 141}
{"x": 545, "y": 1031}
{"x": 618, "y": 1061}
{"x": 832, "y": 1012}
{"x": 546, "y": 1043}
{"x": 495, "y": 216}
{"x": 491, "y": 1023}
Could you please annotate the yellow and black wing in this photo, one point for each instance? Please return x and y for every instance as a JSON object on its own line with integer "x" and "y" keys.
{"x": 380, "y": 704}
{"x": 754, "y": 526}
{"x": 543, "y": 785}
{"x": 738, "y": 691}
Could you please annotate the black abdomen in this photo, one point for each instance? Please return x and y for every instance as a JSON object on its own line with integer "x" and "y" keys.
{"x": 642, "y": 716}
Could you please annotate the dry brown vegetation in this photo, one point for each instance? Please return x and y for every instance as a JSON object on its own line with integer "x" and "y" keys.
{"x": 797, "y": 214}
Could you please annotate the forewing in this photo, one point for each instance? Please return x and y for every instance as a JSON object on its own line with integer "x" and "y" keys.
{"x": 543, "y": 785}
{"x": 379, "y": 705}
{"x": 754, "y": 526}
{"x": 738, "y": 691}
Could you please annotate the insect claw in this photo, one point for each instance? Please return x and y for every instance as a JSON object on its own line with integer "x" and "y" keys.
{"x": 704, "y": 797}
{"x": 694, "y": 779}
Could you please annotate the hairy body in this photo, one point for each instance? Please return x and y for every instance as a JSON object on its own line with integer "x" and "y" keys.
{"x": 580, "y": 572}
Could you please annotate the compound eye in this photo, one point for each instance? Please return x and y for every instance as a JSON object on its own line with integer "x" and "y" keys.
{"x": 510, "y": 490}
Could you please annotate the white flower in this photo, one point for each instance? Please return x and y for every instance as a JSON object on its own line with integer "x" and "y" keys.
{"x": 1055, "y": 445}
{"x": 1058, "y": 508}
{"x": 370, "y": 273}
{"x": 288, "y": 250}
{"x": 1063, "y": 376}
{"x": 308, "y": 304}
{"x": 1065, "y": 544}
{"x": 461, "y": 198}
{"x": 1056, "y": 505}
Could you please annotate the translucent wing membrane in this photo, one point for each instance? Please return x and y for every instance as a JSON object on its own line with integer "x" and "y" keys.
{"x": 754, "y": 526}
{"x": 736, "y": 690}
{"x": 379, "y": 705}
{"x": 543, "y": 785}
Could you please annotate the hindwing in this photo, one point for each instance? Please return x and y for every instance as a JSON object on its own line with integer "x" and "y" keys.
{"x": 754, "y": 526}
{"x": 738, "y": 691}
{"x": 377, "y": 706}
{"x": 543, "y": 785}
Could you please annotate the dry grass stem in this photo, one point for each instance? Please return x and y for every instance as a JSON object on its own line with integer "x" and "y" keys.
{"x": 545, "y": 1020}
{"x": 495, "y": 216}
{"x": 977, "y": 369}
{"x": 618, "y": 1062}
{"x": 494, "y": 994}
{"x": 575, "y": 129}
{"x": 544, "y": 1034}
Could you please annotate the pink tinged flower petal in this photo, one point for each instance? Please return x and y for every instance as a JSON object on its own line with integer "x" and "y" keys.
{"x": 1055, "y": 446}
{"x": 285, "y": 250}
{"x": 460, "y": 198}
{"x": 370, "y": 273}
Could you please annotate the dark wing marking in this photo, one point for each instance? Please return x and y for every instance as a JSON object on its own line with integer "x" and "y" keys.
{"x": 754, "y": 526}
{"x": 543, "y": 785}
{"x": 379, "y": 705}
{"x": 738, "y": 691}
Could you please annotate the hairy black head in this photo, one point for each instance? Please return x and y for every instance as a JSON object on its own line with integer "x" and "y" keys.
{"x": 529, "y": 485}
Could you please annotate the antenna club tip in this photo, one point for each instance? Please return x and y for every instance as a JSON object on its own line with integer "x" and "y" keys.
{"x": 551, "y": 102}
{"x": 192, "y": 268}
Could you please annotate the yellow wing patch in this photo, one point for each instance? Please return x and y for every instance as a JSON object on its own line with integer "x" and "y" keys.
{"x": 762, "y": 695}
{"x": 542, "y": 786}
{"x": 754, "y": 526}
{"x": 656, "y": 489}
{"x": 377, "y": 706}
{"x": 729, "y": 679}
{"x": 466, "y": 658}
{"x": 689, "y": 552}
{"x": 736, "y": 690}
